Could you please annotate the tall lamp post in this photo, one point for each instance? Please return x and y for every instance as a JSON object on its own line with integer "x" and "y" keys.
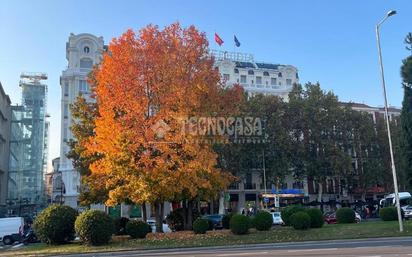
{"x": 395, "y": 180}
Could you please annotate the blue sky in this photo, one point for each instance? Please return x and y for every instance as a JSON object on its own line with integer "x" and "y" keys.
{"x": 332, "y": 42}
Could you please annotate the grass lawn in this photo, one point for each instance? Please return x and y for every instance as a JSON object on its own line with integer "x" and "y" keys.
{"x": 225, "y": 237}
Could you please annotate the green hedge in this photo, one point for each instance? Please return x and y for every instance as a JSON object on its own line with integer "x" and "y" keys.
{"x": 55, "y": 224}
{"x": 239, "y": 224}
{"x": 94, "y": 227}
{"x": 120, "y": 225}
{"x": 300, "y": 220}
{"x": 316, "y": 217}
{"x": 226, "y": 220}
{"x": 137, "y": 229}
{"x": 388, "y": 213}
{"x": 345, "y": 215}
{"x": 263, "y": 221}
{"x": 200, "y": 226}
{"x": 287, "y": 212}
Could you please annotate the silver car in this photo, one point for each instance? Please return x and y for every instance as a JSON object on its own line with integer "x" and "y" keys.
{"x": 407, "y": 212}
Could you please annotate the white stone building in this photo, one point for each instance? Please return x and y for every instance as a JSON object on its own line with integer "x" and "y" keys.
{"x": 256, "y": 77}
{"x": 82, "y": 52}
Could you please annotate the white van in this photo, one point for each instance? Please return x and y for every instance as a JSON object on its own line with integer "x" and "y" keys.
{"x": 8, "y": 227}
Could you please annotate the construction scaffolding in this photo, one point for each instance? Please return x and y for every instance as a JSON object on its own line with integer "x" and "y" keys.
{"x": 29, "y": 146}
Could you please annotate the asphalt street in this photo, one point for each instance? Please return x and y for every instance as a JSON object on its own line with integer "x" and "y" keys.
{"x": 379, "y": 247}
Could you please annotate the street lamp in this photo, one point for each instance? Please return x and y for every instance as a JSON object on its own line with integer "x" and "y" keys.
{"x": 395, "y": 180}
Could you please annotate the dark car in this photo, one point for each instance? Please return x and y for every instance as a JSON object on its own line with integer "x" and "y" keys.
{"x": 215, "y": 219}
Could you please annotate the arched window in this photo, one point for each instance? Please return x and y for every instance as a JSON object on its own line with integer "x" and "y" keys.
{"x": 86, "y": 49}
{"x": 265, "y": 73}
{"x": 250, "y": 72}
{"x": 236, "y": 70}
{"x": 86, "y": 63}
{"x": 280, "y": 74}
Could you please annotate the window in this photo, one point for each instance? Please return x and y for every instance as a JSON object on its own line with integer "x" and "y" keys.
{"x": 65, "y": 134}
{"x": 273, "y": 81}
{"x": 259, "y": 80}
{"x": 265, "y": 73}
{"x": 86, "y": 63}
{"x": 242, "y": 78}
{"x": 288, "y": 82}
{"x": 86, "y": 49}
{"x": 66, "y": 89}
{"x": 83, "y": 86}
{"x": 226, "y": 77}
{"x": 236, "y": 70}
{"x": 66, "y": 111}
{"x": 250, "y": 72}
{"x": 280, "y": 74}
{"x": 297, "y": 75}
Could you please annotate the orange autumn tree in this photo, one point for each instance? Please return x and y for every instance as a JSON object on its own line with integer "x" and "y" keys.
{"x": 145, "y": 85}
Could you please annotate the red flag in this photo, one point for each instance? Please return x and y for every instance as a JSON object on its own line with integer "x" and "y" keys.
{"x": 218, "y": 40}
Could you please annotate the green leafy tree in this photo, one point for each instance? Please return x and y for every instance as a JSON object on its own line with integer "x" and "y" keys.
{"x": 406, "y": 119}
{"x": 408, "y": 41}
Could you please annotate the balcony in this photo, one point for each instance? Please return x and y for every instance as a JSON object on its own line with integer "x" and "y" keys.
{"x": 234, "y": 186}
{"x": 249, "y": 186}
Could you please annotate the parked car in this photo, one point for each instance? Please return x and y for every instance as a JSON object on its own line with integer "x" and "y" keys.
{"x": 358, "y": 218}
{"x": 216, "y": 220}
{"x": 9, "y": 229}
{"x": 277, "y": 218}
{"x": 330, "y": 217}
{"x": 152, "y": 224}
{"x": 408, "y": 212}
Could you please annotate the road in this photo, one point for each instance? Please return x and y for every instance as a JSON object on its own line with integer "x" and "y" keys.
{"x": 379, "y": 247}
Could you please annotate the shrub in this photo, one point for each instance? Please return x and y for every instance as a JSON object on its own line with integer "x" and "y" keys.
{"x": 55, "y": 224}
{"x": 226, "y": 220}
{"x": 239, "y": 224}
{"x": 263, "y": 220}
{"x": 94, "y": 227}
{"x": 200, "y": 226}
{"x": 120, "y": 225}
{"x": 316, "y": 217}
{"x": 251, "y": 222}
{"x": 289, "y": 211}
{"x": 137, "y": 229}
{"x": 300, "y": 220}
{"x": 175, "y": 219}
{"x": 388, "y": 213}
{"x": 345, "y": 215}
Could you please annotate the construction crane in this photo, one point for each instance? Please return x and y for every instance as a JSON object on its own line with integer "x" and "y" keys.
{"x": 33, "y": 76}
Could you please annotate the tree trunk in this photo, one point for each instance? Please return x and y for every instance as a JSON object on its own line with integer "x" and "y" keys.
{"x": 222, "y": 203}
{"x": 185, "y": 214}
{"x": 320, "y": 195}
{"x": 158, "y": 217}
{"x": 198, "y": 207}
{"x": 144, "y": 212}
{"x": 189, "y": 215}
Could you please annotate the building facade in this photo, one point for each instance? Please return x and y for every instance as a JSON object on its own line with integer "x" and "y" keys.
{"x": 255, "y": 77}
{"x": 5, "y": 119}
{"x": 83, "y": 51}
{"x": 28, "y": 147}
{"x": 54, "y": 183}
